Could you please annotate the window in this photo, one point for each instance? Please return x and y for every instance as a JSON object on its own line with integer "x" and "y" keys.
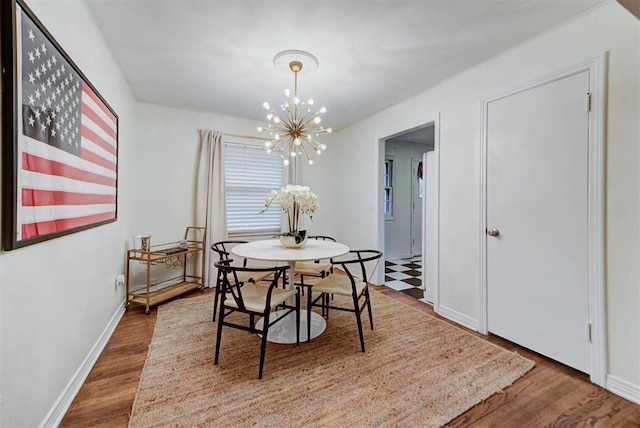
{"x": 250, "y": 174}
{"x": 388, "y": 189}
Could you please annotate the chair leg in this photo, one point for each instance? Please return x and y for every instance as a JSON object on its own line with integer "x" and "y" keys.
{"x": 326, "y": 306}
{"x": 263, "y": 345}
{"x": 309, "y": 302}
{"x": 215, "y": 301}
{"x": 366, "y": 293}
{"x": 356, "y": 307}
{"x": 219, "y": 335}
{"x": 298, "y": 317}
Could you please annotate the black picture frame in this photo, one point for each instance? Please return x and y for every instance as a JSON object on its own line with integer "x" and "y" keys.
{"x": 59, "y": 138}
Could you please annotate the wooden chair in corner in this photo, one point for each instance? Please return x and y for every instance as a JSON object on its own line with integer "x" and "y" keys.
{"x": 254, "y": 301}
{"x": 347, "y": 285}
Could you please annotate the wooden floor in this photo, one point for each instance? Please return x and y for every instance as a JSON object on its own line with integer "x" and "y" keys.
{"x": 550, "y": 395}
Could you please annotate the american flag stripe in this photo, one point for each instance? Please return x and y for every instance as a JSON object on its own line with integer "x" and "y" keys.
{"x": 38, "y": 181}
{"x": 91, "y": 156}
{"x": 90, "y": 145}
{"x": 34, "y": 198}
{"x": 97, "y": 122}
{"x": 103, "y": 123}
{"x": 46, "y": 227}
{"x": 95, "y": 103}
{"x": 36, "y": 148}
{"x": 68, "y": 150}
{"x": 97, "y": 134}
{"x": 45, "y": 166}
{"x": 58, "y": 212}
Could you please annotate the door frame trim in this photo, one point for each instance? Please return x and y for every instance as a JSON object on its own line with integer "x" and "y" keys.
{"x": 434, "y": 119}
{"x": 596, "y": 169}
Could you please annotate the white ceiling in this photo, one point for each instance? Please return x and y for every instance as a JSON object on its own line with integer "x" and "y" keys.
{"x": 216, "y": 55}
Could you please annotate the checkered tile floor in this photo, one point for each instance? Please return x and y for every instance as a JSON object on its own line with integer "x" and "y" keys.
{"x": 405, "y": 275}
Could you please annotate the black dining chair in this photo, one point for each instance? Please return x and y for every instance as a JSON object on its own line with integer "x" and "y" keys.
{"x": 254, "y": 300}
{"x": 223, "y": 249}
{"x": 315, "y": 268}
{"x": 347, "y": 285}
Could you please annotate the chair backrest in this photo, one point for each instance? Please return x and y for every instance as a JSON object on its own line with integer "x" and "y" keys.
{"x": 322, "y": 238}
{"x": 231, "y": 284}
{"x": 223, "y": 248}
{"x": 357, "y": 257}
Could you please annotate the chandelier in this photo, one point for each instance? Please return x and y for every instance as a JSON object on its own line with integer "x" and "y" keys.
{"x": 295, "y": 129}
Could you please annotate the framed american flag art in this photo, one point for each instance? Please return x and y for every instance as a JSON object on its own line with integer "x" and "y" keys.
{"x": 59, "y": 138}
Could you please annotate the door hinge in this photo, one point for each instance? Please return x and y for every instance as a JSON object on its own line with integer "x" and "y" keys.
{"x": 588, "y": 101}
{"x": 588, "y": 331}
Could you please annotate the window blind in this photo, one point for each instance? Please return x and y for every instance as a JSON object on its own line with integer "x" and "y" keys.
{"x": 250, "y": 174}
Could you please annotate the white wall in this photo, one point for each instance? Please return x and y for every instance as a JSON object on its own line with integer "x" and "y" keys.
{"x": 609, "y": 28}
{"x": 327, "y": 219}
{"x": 57, "y": 297}
{"x": 397, "y": 231}
{"x": 166, "y": 155}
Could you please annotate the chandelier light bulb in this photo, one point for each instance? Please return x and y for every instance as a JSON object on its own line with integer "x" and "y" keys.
{"x": 276, "y": 137}
{"x": 266, "y": 105}
{"x": 270, "y": 116}
{"x": 318, "y": 152}
{"x": 296, "y": 100}
{"x": 285, "y": 162}
{"x": 317, "y": 120}
{"x": 293, "y": 154}
{"x": 297, "y": 141}
{"x": 329, "y": 130}
{"x": 310, "y": 161}
{"x": 276, "y": 119}
{"x": 287, "y": 93}
{"x": 323, "y": 146}
{"x": 323, "y": 110}
{"x": 310, "y": 101}
{"x": 259, "y": 129}
{"x": 268, "y": 151}
{"x": 267, "y": 144}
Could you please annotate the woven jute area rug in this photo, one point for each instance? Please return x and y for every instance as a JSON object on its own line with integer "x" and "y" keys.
{"x": 417, "y": 371}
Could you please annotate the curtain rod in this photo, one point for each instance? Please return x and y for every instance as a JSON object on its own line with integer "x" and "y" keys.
{"x": 251, "y": 137}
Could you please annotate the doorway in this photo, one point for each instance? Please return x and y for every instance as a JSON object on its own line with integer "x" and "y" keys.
{"x": 404, "y": 205}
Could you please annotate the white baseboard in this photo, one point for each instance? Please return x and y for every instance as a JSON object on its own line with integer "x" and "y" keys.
{"x": 457, "y": 317}
{"x": 623, "y": 388}
{"x": 62, "y": 404}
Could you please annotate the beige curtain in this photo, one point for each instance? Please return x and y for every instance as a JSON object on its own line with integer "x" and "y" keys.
{"x": 210, "y": 206}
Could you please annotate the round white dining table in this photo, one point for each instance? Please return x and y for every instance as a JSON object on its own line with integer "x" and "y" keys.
{"x": 284, "y": 331}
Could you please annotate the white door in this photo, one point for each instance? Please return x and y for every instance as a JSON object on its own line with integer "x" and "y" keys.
{"x": 537, "y": 265}
{"x": 430, "y": 245}
{"x": 417, "y": 195}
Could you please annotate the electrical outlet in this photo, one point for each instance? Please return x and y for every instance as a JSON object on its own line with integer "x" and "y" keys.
{"x": 120, "y": 280}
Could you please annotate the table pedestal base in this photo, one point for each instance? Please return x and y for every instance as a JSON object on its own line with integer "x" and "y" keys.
{"x": 284, "y": 331}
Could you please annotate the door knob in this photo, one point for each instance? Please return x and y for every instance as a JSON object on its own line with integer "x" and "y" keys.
{"x": 493, "y": 232}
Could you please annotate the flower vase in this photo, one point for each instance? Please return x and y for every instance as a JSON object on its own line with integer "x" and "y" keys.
{"x": 294, "y": 240}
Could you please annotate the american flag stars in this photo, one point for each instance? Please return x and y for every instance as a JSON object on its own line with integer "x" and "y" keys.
{"x": 53, "y": 93}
